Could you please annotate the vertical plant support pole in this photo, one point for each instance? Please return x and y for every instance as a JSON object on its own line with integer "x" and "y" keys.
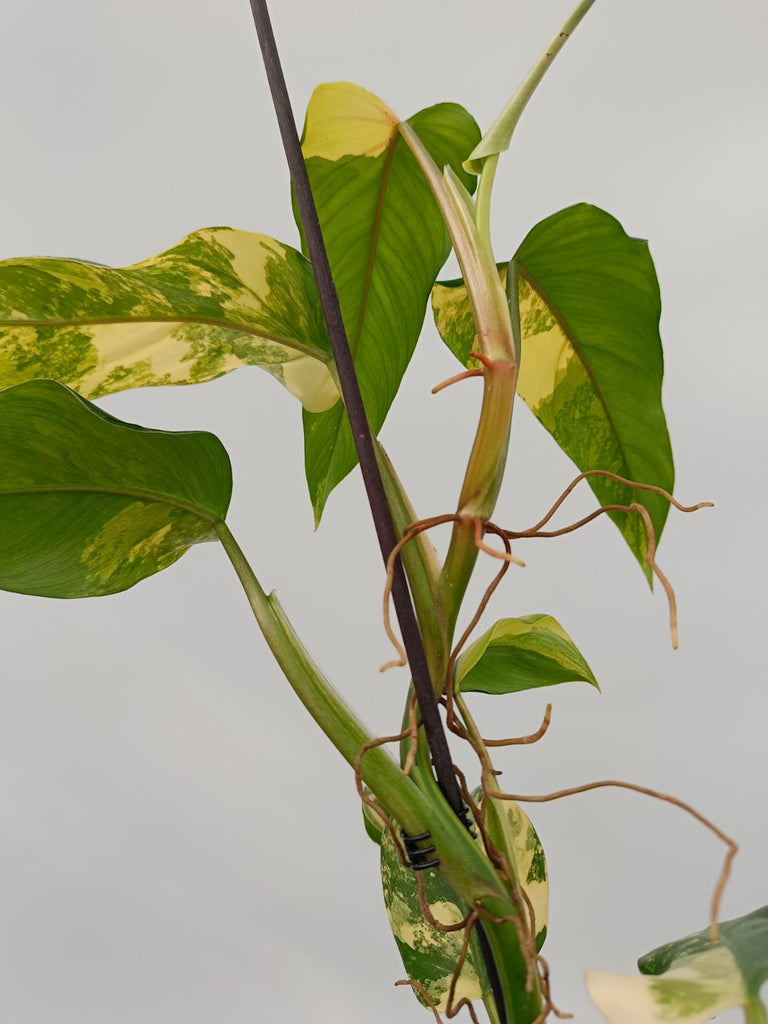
{"x": 361, "y": 432}
{"x": 350, "y": 390}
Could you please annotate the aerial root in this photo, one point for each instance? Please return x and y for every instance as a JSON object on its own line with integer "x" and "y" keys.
{"x": 477, "y": 372}
{"x": 537, "y": 529}
{"x": 409, "y": 533}
{"x": 412, "y": 733}
{"x": 480, "y": 528}
{"x": 532, "y": 737}
{"x": 424, "y": 994}
{"x": 733, "y": 848}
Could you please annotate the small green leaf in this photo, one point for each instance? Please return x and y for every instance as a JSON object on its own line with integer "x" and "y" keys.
{"x": 429, "y": 956}
{"x": 90, "y": 505}
{"x": 218, "y": 300}
{"x": 521, "y": 654}
{"x": 386, "y": 242}
{"x": 591, "y": 362}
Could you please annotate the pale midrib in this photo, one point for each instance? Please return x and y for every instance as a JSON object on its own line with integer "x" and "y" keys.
{"x": 226, "y": 325}
{"x": 114, "y": 492}
{"x": 377, "y": 219}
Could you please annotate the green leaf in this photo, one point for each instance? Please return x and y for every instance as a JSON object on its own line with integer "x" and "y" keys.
{"x": 692, "y": 979}
{"x": 591, "y": 362}
{"x": 386, "y": 242}
{"x": 521, "y": 839}
{"x": 521, "y": 654}
{"x": 90, "y": 505}
{"x": 218, "y": 300}
{"x": 429, "y": 956}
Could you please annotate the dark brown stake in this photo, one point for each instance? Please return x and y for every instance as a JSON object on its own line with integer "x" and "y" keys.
{"x": 361, "y": 432}
{"x": 438, "y": 744}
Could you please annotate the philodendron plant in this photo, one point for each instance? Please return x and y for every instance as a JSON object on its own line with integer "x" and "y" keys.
{"x": 569, "y": 323}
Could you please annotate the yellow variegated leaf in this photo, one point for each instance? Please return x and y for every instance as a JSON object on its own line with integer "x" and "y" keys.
{"x": 218, "y": 300}
{"x": 513, "y": 830}
{"x": 692, "y": 992}
{"x": 386, "y": 242}
{"x": 429, "y": 955}
{"x": 591, "y": 364}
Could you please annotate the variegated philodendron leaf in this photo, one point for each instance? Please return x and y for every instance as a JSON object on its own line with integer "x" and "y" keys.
{"x": 521, "y": 840}
{"x": 386, "y": 242}
{"x": 218, "y": 300}
{"x": 691, "y": 980}
{"x": 90, "y": 505}
{"x": 429, "y": 955}
{"x": 521, "y": 654}
{"x": 591, "y": 362}
{"x": 693, "y": 991}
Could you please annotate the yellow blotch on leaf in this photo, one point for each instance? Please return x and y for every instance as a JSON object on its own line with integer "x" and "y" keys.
{"x": 345, "y": 120}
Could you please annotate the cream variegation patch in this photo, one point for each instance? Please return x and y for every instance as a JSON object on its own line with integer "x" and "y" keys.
{"x": 547, "y": 351}
{"x": 345, "y": 120}
{"x": 311, "y": 382}
{"x": 692, "y": 992}
{"x": 219, "y": 300}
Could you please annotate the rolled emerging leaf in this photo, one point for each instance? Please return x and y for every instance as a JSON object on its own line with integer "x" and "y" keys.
{"x": 386, "y": 242}
{"x": 218, "y": 300}
{"x": 591, "y": 363}
{"x": 90, "y": 505}
{"x": 521, "y": 654}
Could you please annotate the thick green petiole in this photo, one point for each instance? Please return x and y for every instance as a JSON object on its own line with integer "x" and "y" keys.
{"x": 415, "y": 807}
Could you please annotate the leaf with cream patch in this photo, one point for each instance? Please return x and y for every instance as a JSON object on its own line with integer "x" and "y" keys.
{"x": 219, "y": 300}
{"x": 90, "y": 505}
{"x": 429, "y": 955}
{"x": 386, "y": 242}
{"x": 521, "y": 654}
{"x": 591, "y": 362}
{"x": 521, "y": 840}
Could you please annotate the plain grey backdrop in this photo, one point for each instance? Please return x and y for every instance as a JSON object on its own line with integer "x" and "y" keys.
{"x": 178, "y": 842}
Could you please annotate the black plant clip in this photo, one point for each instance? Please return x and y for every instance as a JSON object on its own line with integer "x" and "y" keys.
{"x": 417, "y": 855}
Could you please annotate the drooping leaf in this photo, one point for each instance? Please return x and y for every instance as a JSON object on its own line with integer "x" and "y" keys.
{"x": 429, "y": 955}
{"x": 691, "y": 980}
{"x": 386, "y": 243}
{"x": 591, "y": 365}
{"x": 522, "y": 839}
{"x": 90, "y": 505}
{"x": 521, "y": 654}
{"x": 218, "y": 300}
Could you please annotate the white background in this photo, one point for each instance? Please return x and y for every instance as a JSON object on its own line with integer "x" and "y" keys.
{"x": 178, "y": 842}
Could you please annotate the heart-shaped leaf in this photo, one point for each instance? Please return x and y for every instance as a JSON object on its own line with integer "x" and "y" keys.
{"x": 692, "y": 979}
{"x": 218, "y": 300}
{"x": 90, "y": 505}
{"x": 591, "y": 361}
{"x": 386, "y": 242}
{"x": 429, "y": 955}
{"x": 521, "y": 654}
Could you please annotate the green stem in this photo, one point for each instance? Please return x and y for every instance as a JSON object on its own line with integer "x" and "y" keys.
{"x": 482, "y": 482}
{"x": 463, "y": 865}
{"x": 422, "y": 569}
{"x": 754, "y": 1012}
{"x": 485, "y": 156}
